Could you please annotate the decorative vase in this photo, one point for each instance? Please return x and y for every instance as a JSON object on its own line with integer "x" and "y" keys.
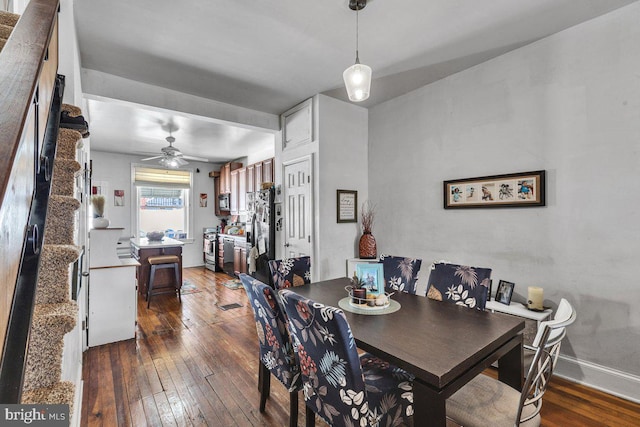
{"x": 367, "y": 247}
{"x": 100, "y": 222}
{"x": 359, "y": 296}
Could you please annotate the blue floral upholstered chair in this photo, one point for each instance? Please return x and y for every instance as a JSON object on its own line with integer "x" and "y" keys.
{"x": 276, "y": 351}
{"x": 459, "y": 284}
{"x": 290, "y": 272}
{"x": 344, "y": 389}
{"x": 400, "y": 273}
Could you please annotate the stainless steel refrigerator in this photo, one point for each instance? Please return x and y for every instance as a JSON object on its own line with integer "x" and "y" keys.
{"x": 261, "y": 215}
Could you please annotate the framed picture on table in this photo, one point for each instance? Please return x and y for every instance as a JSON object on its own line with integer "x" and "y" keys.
{"x": 504, "y": 292}
{"x": 372, "y": 274}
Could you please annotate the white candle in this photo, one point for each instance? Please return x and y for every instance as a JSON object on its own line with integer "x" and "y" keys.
{"x": 535, "y": 298}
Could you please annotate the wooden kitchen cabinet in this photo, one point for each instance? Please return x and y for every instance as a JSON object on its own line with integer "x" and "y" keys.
{"x": 267, "y": 170}
{"x": 220, "y": 262}
{"x": 251, "y": 179}
{"x": 242, "y": 190}
{"x": 258, "y": 177}
{"x": 233, "y": 198}
{"x": 240, "y": 257}
{"x": 225, "y": 176}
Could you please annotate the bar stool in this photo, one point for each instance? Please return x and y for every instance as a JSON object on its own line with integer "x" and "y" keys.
{"x": 159, "y": 262}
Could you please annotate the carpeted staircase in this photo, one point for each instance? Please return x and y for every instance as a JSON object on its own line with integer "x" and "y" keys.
{"x": 55, "y": 313}
{"x": 7, "y": 22}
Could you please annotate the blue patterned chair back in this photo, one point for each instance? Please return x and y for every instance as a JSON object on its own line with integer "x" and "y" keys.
{"x": 332, "y": 378}
{"x": 276, "y": 350}
{"x": 290, "y": 272}
{"x": 460, "y": 284}
{"x": 400, "y": 273}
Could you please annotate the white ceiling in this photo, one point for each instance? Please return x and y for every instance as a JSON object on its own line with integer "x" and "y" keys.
{"x": 268, "y": 55}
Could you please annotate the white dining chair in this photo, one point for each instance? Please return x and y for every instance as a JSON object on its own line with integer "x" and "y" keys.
{"x": 485, "y": 401}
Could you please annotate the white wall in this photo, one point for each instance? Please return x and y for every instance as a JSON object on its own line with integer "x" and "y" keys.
{"x": 339, "y": 161}
{"x": 115, "y": 170}
{"x": 569, "y": 104}
{"x": 343, "y": 137}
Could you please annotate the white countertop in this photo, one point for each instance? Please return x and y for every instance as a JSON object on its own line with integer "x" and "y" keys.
{"x": 166, "y": 242}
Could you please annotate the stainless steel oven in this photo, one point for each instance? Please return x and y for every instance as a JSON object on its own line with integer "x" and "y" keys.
{"x": 210, "y": 250}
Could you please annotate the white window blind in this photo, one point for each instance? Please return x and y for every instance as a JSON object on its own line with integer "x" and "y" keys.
{"x": 154, "y": 177}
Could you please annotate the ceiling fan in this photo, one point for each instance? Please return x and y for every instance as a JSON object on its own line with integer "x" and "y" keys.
{"x": 172, "y": 157}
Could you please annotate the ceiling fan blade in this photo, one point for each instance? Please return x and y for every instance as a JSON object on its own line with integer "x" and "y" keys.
{"x": 151, "y": 158}
{"x": 181, "y": 162}
{"x": 195, "y": 159}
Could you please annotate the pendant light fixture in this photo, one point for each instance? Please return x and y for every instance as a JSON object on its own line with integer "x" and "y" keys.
{"x": 357, "y": 78}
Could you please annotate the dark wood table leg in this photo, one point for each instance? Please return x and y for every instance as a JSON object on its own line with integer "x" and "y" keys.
{"x": 511, "y": 365}
{"x": 429, "y": 407}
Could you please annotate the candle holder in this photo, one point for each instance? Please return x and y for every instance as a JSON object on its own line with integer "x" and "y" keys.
{"x": 535, "y": 298}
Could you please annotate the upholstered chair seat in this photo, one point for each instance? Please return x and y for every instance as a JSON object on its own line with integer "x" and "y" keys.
{"x": 459, "y": 284}
{"x": 400, "y": 273}
{"x": 275, "y": 348}
{"x": 290, "y": 272}
{"x": 341, "y": 387}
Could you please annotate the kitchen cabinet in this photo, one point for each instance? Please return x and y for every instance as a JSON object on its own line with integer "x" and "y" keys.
{"x": 297, "y": 125}
{"x": 242, "y": 190}
{"x": 258, "y": 177}
{"x": 240, "y": 258}
{"x": 225, "y": 176}
{"x": 233, "y": 199}
{"x": 251, "y": 179}
{"x": 217, "y": 176}
{"x": 220, "y": 262}
{"x": 267, "y": 170}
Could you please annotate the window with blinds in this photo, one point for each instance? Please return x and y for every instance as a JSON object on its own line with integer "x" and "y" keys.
{"x": 163, "y": 201}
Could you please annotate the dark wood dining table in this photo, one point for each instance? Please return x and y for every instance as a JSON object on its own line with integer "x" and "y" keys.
{"x": 444, "y": 345}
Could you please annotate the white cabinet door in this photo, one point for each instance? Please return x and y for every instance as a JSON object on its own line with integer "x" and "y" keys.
{"x": 112, "y": 304}
{"x": 297, "y": 124}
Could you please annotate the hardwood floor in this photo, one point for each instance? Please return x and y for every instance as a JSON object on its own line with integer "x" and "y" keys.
{"x": 196, "y": 364}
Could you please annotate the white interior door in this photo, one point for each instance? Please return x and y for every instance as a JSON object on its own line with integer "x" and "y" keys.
{"x": 297, "y": 208}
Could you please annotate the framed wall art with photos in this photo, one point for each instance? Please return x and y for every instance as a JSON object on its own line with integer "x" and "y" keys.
{"x": 524, "y": 189}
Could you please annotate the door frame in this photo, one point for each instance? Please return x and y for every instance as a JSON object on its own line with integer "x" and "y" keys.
{"x": 312, "y": 197}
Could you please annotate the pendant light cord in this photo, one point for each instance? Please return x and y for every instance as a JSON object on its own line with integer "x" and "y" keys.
{"x": 357, "y": 32}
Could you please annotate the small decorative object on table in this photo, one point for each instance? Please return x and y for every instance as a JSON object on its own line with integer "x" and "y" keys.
{"x": 367, "y": 245}
{"x": 97, "y": 202}
{"x": 155, "y": 236}
{"x": 504, "y": 292}
{"x": 535, "y": 298}
{"x": 363, "y": 296}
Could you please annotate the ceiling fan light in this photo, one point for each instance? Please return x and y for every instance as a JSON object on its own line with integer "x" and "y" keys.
{"x": 357, "y": 80}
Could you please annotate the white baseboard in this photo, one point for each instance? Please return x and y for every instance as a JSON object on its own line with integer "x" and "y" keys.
{"x": 77, "y": 406}
{"x": 608, "y": 380}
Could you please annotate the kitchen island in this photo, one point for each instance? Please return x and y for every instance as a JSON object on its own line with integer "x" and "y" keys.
{"x": 143, "y": 248}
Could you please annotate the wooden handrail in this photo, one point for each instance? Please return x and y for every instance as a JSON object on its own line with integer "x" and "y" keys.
{"x": 21, "y": 62}
{"x": 23, "y": 196}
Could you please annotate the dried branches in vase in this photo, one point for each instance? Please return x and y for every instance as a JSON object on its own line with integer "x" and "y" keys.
{"x": 367, "y": 246}
{"x": 97, "y": 202}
